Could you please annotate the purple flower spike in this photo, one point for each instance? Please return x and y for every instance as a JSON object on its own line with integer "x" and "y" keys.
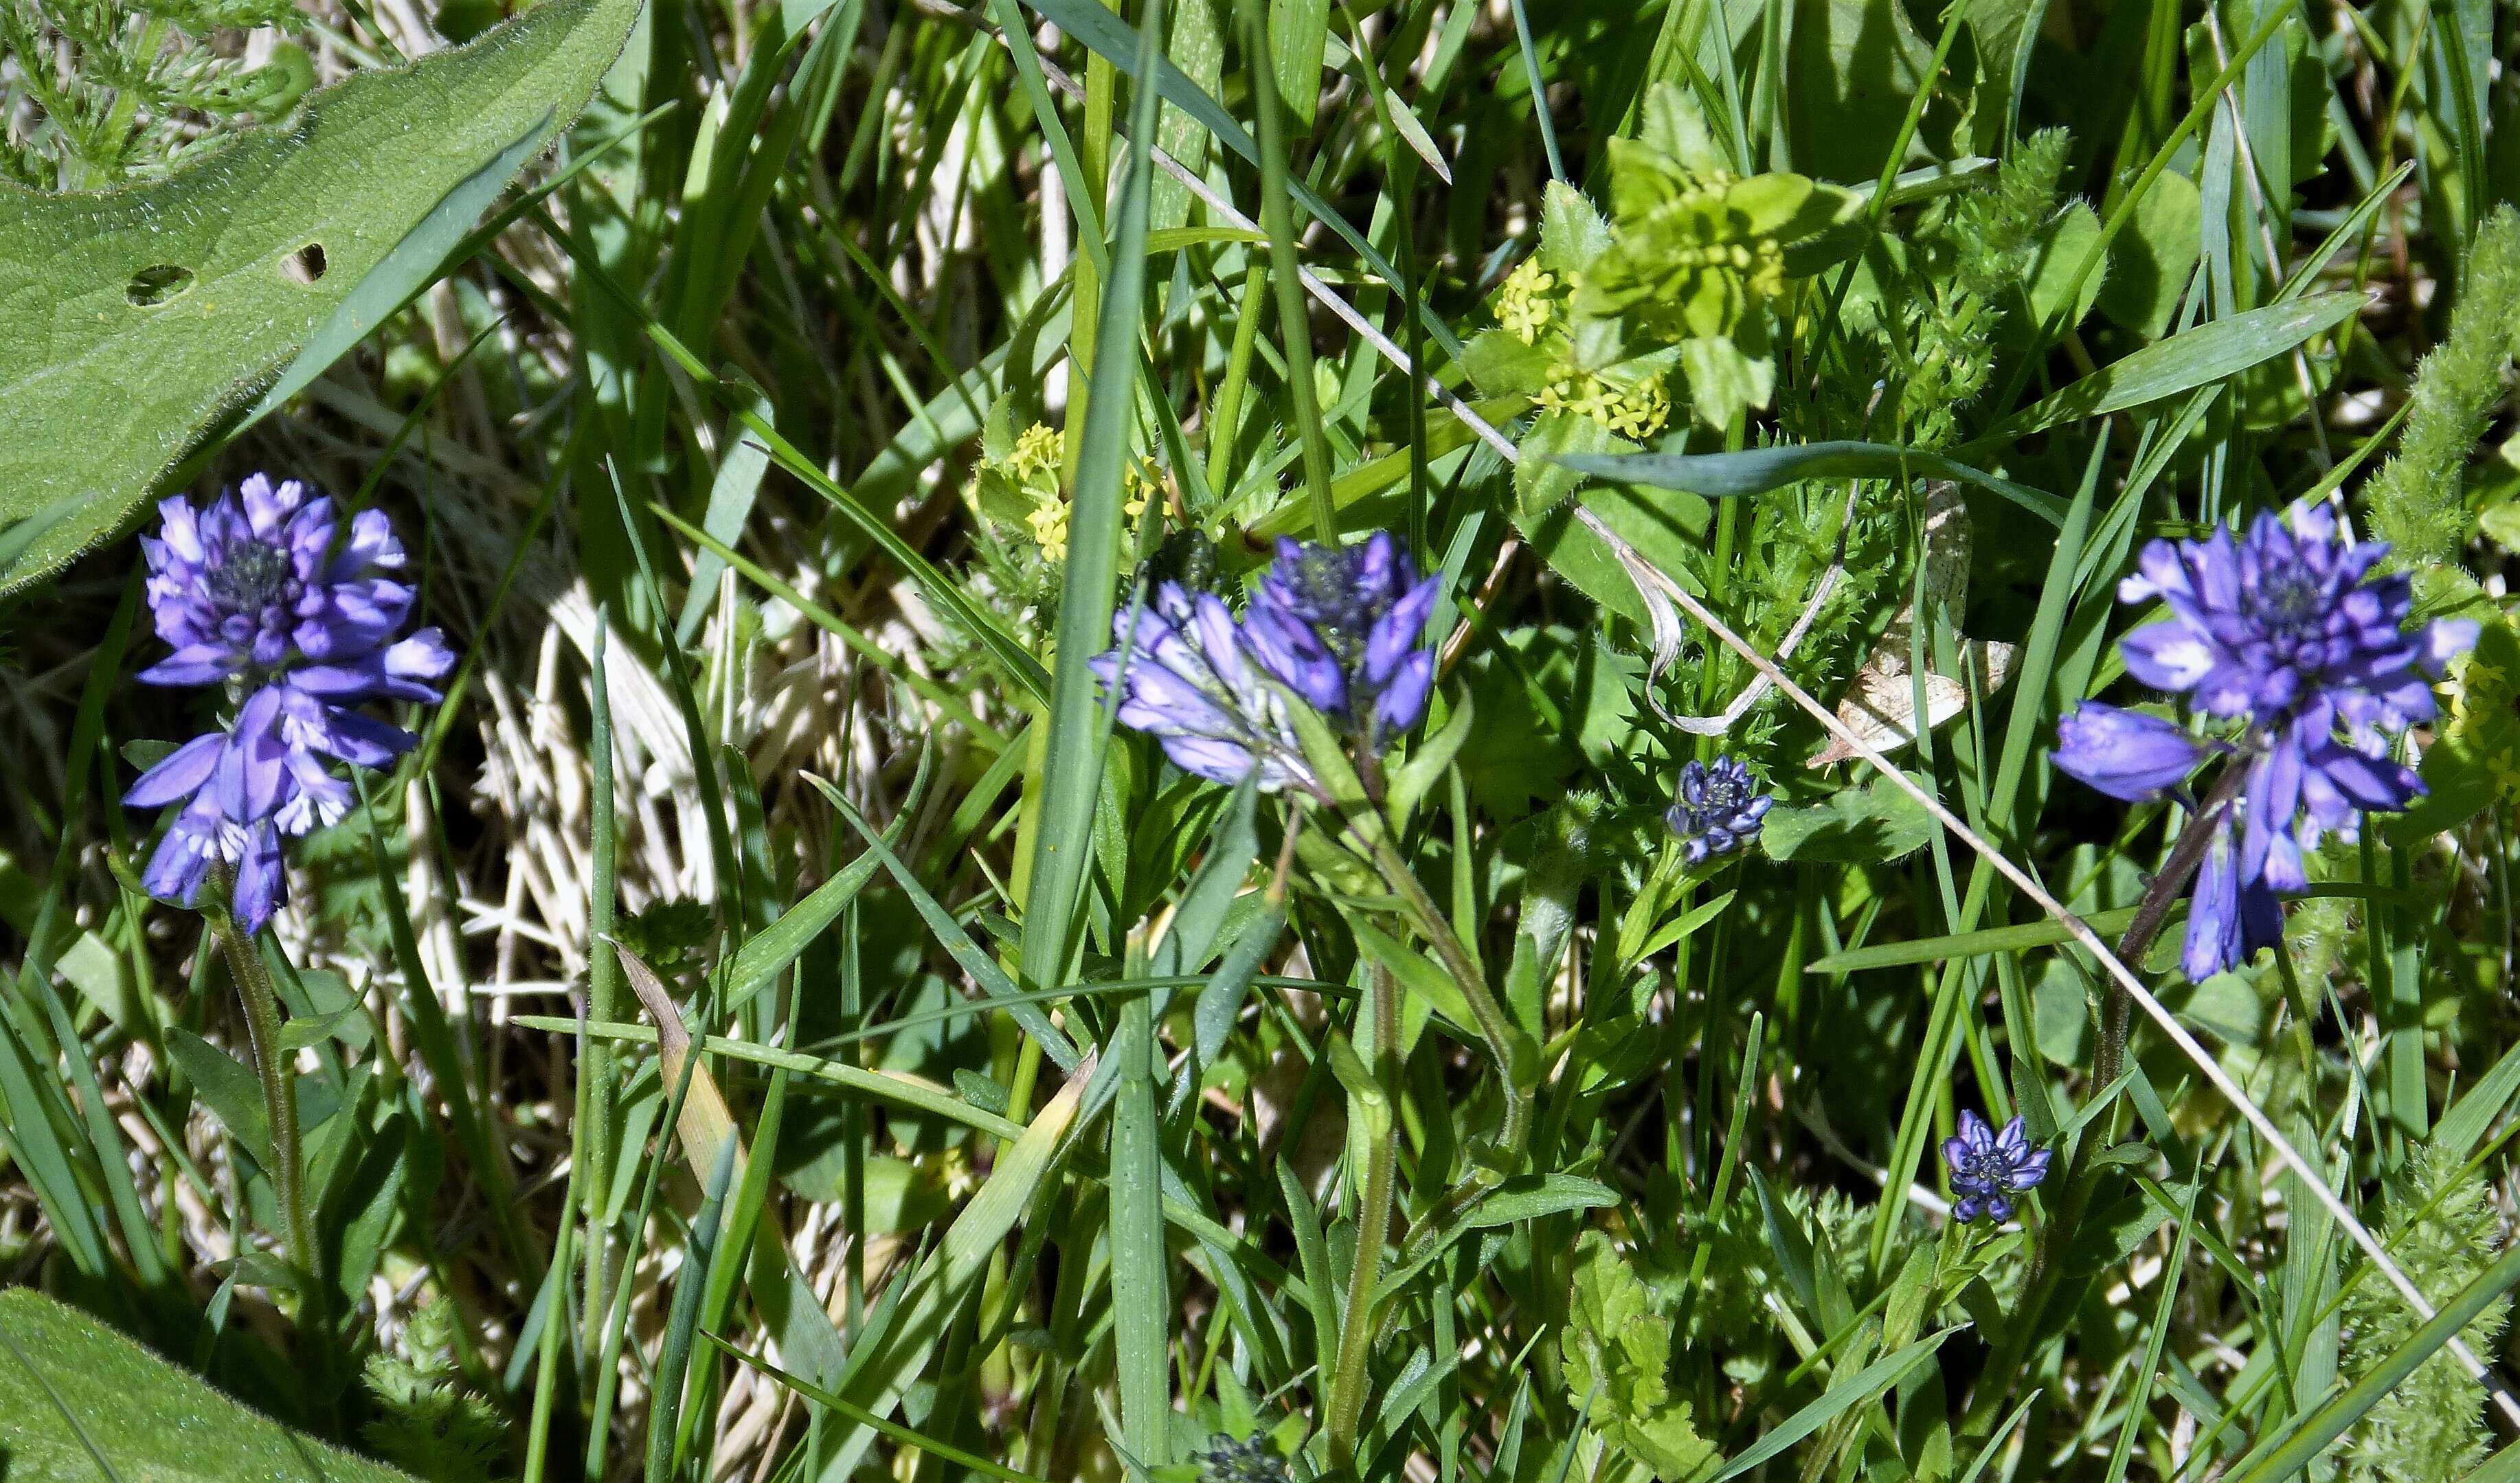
{"x": 1342, "y": 626}
{"x": 2125, "y": 753}
{"x": 252, "y": 583}
{"x": 2288, "y": 632}
{"x": 1718, "y": 808}
{"x": 261, "y": 591}
{"x": 1190, "y": 683}
{"x": 1988, "y": 1168}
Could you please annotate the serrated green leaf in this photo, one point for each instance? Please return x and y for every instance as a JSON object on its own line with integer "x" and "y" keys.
{"x": 1572, "y": 234}
{"x": 1543, "y": 478}
{"x": 1724, "y": 384}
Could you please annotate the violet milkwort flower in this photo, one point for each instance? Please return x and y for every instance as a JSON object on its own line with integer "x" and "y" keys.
{"x": 1188, "y": 683}
{"x": 262, "y": 592}
{"x": 1988, "y": 1168}
{"x": 2230, "y": 916}
{"x": 2290, "y": 633}
{"x": 1340, "y": 625}
{"x": 2126, "y": 753}
{"x": 1718, "y": 808}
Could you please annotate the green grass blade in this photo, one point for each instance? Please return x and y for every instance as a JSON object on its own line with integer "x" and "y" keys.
{"x": 1857, "y": 1389}
{"x": 1079, "y": 733}
{"x": 2004, "y": 939}
{"x": 674, "y": 1358}
{"x": 950, "y": 935}
{"x": 2331, "y": 1420}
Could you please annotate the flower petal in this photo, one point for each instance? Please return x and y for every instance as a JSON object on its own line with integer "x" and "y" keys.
{"x": 180, "y": 774}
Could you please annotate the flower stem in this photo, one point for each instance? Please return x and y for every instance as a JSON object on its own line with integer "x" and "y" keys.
{"x": 279, "y": 1089}
{"x": 1492, "y": 1028}
{"x": 2109, "y": 1061}
{"x": 1373, "y": 1226}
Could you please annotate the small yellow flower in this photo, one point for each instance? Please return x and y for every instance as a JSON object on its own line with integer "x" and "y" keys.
{"x": 1522, "y": 304}
{"x": 1036, "y": 453}
{"x": 1049, "y": 523}
{"x": 1636, "y": 412}
{"x": 1035, "y": 464}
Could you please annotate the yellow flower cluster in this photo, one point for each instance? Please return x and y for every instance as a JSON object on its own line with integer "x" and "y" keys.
{"x": 1034, "y": 465}
{"x": 1636, "y": 411}
{"x": 1036, "y": 456}
{"x": 1522, "y": 302}
{"x": 2485, "y": 704}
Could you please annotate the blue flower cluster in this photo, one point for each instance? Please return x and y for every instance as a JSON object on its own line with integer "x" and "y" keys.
{"x": 1988, "y": 1168}
{"x": 1719, "y": 809}
{"x": 2290, "y": 633}
{"x": 1340, "y": 629}
{"x": 262, "y": 592}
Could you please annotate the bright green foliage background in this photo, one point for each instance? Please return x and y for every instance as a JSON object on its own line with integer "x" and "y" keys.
{"x": 773, "y": 1026}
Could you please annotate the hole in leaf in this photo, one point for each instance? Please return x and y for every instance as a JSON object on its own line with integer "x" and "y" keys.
{"x": 155, "y": 285}
{"x": 306, "y": 265}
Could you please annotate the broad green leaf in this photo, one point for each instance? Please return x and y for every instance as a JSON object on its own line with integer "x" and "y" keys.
{"x": 1854, "y": 64}
{"x": 1572, "y": 234}
{"x": 227, "y": 1087}
{"x": 1424, "y": 983}
{"x": 1500, "y": 365}
{"x": 272, "y": 253}
{"x": 1875, "y": 821}
{"x": 2199, "y": 357}
{"x": 79, "y": 1402}
{"x": 2062, "y": 247}
{"x": 1668, "y": 532}
{"x": 1550, "y": 469}
{"x": 1534, "y": 1195}
{"x": 1756, "y": 470}
{"x": 1724, "y": 384}
{"x": 2149, "y": 264}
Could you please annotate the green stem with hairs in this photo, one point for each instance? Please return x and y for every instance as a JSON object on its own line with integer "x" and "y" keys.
{"x": 1492, "y": 1028}
{"x": 278, "y": 1091}
{"x": 1372, "y": 1220}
